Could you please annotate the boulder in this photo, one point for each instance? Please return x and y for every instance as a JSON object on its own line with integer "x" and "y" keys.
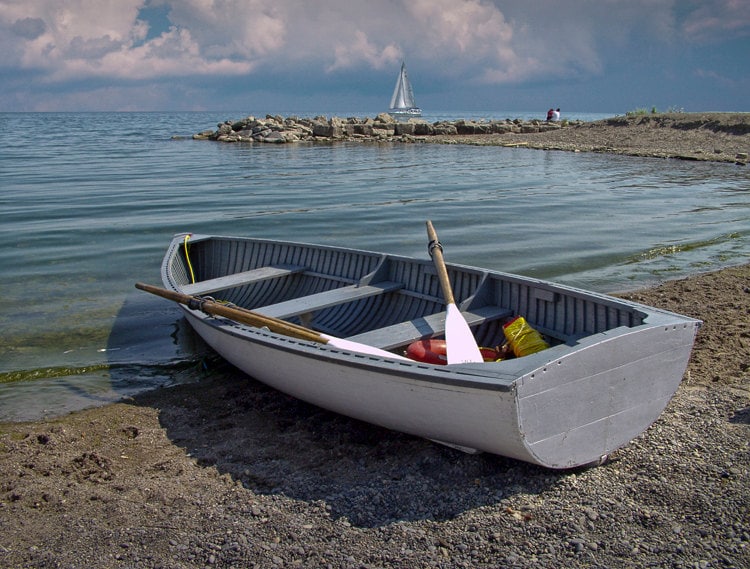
{"x": 385, "y": 118}
{"x": 402, "y": 128}
{"x": 423, "y": 129}
{"x": 275, "y": 136}
{"x": 322, "y": 129}
{"x": 444, "y": 129}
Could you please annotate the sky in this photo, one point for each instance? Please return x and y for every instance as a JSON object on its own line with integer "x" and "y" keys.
{"x": 599, "y": 56}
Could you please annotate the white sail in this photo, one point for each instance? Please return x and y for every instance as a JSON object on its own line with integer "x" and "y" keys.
{"x": 402, "y": 101}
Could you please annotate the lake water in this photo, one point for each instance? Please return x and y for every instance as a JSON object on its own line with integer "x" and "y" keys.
{"x": 89, "y": 202}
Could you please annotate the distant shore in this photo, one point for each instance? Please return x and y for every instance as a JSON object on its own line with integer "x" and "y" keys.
{"x": 714, "y": 137}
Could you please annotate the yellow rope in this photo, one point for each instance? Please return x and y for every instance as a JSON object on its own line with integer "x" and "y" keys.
{"x": 187, "y": 258}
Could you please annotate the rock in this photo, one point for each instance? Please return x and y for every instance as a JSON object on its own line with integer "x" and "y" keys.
{"x": 275, "y": 137}
{"x": 444, "y": 128}
{"x": 423, "y": 129}
{"x": 385, "y": 117}
{"x": 322, "y": 129}
{"x": 405, "y": 128}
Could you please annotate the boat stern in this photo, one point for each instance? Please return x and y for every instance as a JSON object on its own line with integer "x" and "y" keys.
{"x": 591, "y": 400}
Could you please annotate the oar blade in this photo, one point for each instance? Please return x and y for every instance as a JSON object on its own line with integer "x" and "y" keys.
{"x": 350, "y": 346}
{"x": 461, "y": 346}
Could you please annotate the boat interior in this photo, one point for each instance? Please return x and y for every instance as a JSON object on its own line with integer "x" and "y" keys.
{"x": 382, "y": 300}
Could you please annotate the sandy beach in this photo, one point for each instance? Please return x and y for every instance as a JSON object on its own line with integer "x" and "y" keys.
{"x": 229, "y": 473}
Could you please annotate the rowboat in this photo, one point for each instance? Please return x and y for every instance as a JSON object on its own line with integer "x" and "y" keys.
{"x": 330, "y": 326}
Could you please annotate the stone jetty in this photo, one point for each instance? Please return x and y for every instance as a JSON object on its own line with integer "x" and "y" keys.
{"x": 714, "y": 137}
{"x": 383, "y": 128}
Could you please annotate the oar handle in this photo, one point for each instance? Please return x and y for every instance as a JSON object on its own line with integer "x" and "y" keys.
{"x": 436, "y": 252}
{"x": 238, "y": 314}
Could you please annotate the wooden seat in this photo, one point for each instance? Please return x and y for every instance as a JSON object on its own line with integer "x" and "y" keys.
{"x": 318, "y": 301}
{"x": 243, "y": 278}
{"x": 402, "y": 333}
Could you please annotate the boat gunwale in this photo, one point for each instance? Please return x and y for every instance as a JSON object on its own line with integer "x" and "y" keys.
{"x": 603, "y": 298}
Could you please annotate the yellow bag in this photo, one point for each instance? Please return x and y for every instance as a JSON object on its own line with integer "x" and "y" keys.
{"x": 523, "y": 338}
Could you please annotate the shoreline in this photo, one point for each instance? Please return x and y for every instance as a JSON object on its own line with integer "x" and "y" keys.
{"x": 710, "y": 137}
{"x": 227, "y": 472}
{"x": 704, "y": 137}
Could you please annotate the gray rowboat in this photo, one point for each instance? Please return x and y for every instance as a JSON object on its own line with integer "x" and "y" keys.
{"x": 611, "y": 368}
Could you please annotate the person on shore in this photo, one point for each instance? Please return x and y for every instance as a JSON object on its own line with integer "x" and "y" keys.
{"x": 550, "y": 114}
{"x": 556, "y": 115}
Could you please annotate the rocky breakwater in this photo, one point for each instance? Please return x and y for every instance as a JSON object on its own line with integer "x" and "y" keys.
{"x": 279, "y": 130}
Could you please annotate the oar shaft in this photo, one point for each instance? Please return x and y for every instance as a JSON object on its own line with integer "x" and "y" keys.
{"x": 461, "y": 346}
{"x": 436, "y": 252}
{"x": 238, "y": 314}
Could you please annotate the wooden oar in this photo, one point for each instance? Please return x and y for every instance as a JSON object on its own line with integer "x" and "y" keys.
{"x": 460, "y": 345}
{"x": 276, "y": 325}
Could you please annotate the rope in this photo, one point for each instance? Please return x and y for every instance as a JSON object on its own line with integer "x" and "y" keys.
{"x": 187, "y": 258}
{"x": 434, "y": 244}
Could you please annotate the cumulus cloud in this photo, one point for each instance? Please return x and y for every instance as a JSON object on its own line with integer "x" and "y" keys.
{"x": 362, "y": 50}
{"x": 68, "y": 37}
{"x": 76, "y": 39}
{"x": 479, "y": 42}
{"x": 232, "y": 28}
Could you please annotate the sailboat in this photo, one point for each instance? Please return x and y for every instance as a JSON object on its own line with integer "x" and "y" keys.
{"x": 402, "y": 102}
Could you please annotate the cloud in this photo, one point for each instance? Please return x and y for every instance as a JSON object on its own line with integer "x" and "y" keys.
{"x": 718, "y": 20}
{"x": 71, "y": 37}
{"x": 79, "y": 39}
{"x": 470, "y": 27}
{"x": 28, "y": 28}
{"x": 235, "y": 29}
{"x": 453, "y": 43}
{"x": 362, "y": 50}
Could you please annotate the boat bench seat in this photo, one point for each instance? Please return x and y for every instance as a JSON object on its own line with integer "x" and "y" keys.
{"x": 424, "y": 327}
{"x": 321, "y": 300}
{"x": 243, "y": 278}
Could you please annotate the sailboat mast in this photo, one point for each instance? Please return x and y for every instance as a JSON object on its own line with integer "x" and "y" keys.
{"x": 408, "y": 92}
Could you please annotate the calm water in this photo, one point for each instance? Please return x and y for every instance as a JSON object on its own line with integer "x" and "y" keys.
{"x": 90, "y": 201}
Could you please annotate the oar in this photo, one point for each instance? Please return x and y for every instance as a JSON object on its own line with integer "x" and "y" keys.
{"x": 460, "y": 345}
{"x": 276, "y": 325}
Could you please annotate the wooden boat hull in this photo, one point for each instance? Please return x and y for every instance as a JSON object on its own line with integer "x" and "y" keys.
{"x": 614, "y": 367}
